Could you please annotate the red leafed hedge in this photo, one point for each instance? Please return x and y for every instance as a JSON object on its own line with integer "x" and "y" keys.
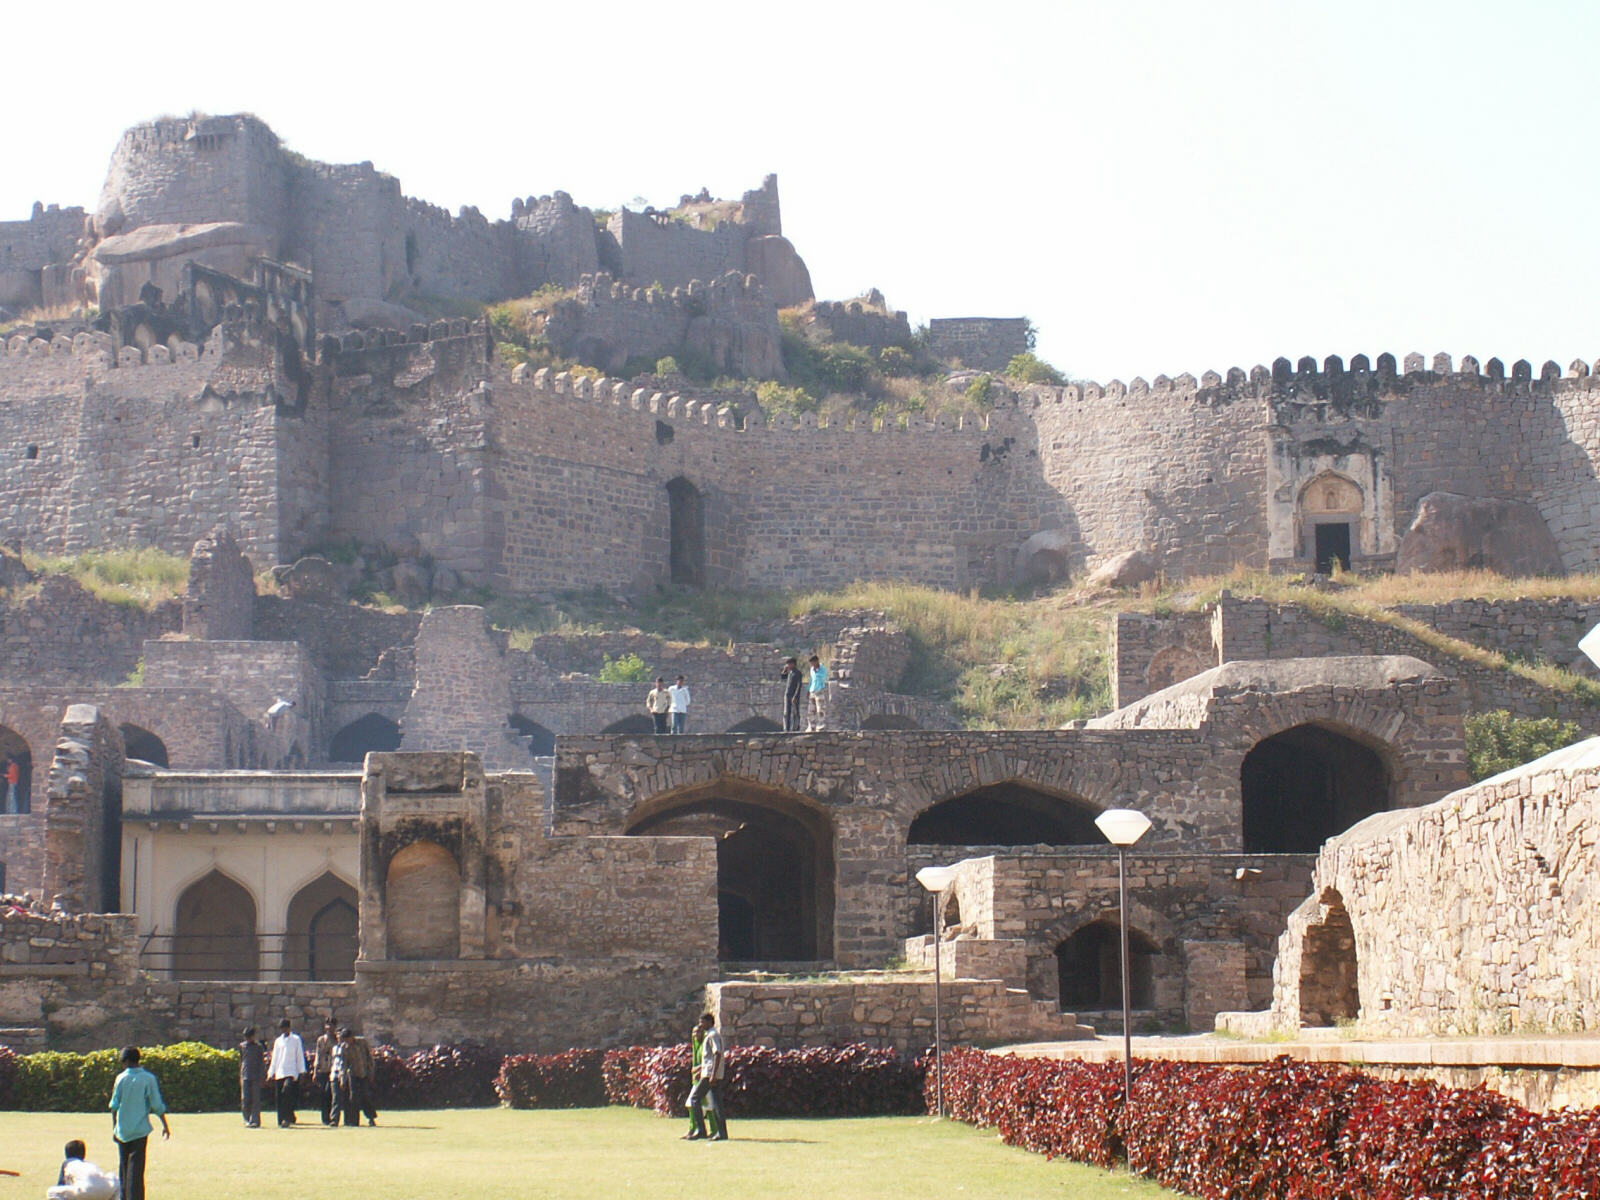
{"x": 569, "y": 1080}
{"x": 834, "y": 1081}
{"x": 1285, "y": 1131}
{"x": 438, "y": 1077}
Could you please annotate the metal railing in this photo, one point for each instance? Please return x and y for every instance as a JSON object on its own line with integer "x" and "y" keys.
{"x": 250, "y": 956}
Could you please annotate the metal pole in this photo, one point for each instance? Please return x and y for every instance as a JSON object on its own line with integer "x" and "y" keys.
{"x": 938, "y": 1001}
{"x": 1127, "y": 1011}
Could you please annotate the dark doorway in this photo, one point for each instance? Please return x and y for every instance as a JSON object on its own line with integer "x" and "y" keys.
{"x": 142, "y": 744}
{"x": 1089, "y": 969}
{"x": 373, "y": 733}
{"x": 687, "y": 526}
{"x": 541, "y": 742}
{"x": 756, "y": 725}
{"x": 638, "y": 724}
{"x": 774, "y": 870}
{"x": 1329, "y": 983}
{"x": 14, "y": 749}
{"x": 1306, "y": 785}
{"x": 1007, "y": 814}
{"x": 1333, "y": 547}
{"x": 214, "y": 931}
{"x": 321, "y": 937}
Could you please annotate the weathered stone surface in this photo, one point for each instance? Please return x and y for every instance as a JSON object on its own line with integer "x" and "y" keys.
{"x": 1128, "y": 569}
{"x": 1453, "y": 532}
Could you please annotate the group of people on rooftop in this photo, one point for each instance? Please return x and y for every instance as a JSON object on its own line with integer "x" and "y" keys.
{"x": 806, "y": 687}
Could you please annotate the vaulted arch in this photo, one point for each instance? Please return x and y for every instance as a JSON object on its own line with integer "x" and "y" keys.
{"x": 14, "y": 748}
{"x": 1012, "y": 813}
{"x": 422, "y": 902}
{"x": 756, "y": 725}
{"x": 1329, "y": 976}
{"x": 1089, "y": 967}
{"x": 140, "y": 743}
{"x": 541, "y": 742}
{"x": 320, "y": 929}
{"x": 686, "y": 523}
{"x": 775, "y": 872}
{"x": 1308, "y": 783}
{"x": 372, "y": 733}
{"x": 636, "y": 725}
{"x": 214, "y": 931}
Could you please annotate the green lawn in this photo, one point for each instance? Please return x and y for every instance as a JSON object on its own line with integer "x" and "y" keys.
{"x": 488, "y": 1154}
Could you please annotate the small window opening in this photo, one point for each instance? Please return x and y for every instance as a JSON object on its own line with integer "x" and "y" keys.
{"x": 31, "y": 453}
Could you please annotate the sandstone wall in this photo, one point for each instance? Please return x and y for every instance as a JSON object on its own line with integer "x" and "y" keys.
{"x": 982, "y": 343}
{"x": 48, "y": 236}
{"x": 62, "y": 634}
{"x": 22, "y": 852}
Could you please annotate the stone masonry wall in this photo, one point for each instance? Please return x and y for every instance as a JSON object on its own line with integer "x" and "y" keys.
{"x": 981, "y": 343}
{"x": 84, "y": 798}
{"x": 62, "y": 634}
{"x": 219, "y": 603}
{"x": 1511, "y": 864}
{"x": 22, "y": 852}
{"x": 47, "y": 237}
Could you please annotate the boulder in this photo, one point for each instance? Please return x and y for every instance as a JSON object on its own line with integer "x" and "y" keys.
{"x": 312, "y": 578}
{"x": 1044, "y": 557}
{"x": 1125, "y": 570}
{"x": 413, "y": 582}
{"x": 1452, "y": 532}
{"x": 774, "y": 260}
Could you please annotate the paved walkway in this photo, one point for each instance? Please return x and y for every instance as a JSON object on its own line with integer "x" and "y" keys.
{"x": 1572, "y": 1052}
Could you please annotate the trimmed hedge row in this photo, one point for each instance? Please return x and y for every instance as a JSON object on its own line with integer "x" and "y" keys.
{"x": 571, "y": 1080}
{"x": 1285, "y": 1131}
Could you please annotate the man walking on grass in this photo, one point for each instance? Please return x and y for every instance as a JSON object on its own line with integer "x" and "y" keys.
{"x": 135, "y": 1098}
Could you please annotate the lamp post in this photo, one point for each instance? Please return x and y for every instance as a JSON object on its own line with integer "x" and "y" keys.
{"x": 937, "y": 880}
{"x": 1122, "y": 828}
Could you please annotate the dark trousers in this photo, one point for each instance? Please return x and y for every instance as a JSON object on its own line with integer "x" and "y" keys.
{"x": 661, "y": 721}
{"x": 250, "y": 1101}
{"x": 791, "y": 713}
{"x": 130, "y": 1167}
{"x": 330, "y": 1102}
{"x": 705, "y": 1092}
{"x": 355, "y": 1100}
{"x": 288, "y": 1092}
{"x": 680, "y": 721}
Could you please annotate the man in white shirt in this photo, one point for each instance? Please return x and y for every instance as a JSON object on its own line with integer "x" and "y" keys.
{"x": 82, "y": 1180}
{"x": 288, "y": 1064}
{"x": 713, "y": 1069}
{"x": 680, "y": 704}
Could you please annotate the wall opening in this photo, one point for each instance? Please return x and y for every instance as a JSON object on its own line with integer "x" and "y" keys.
{"x": 774, "y": 868}
{"x": 320, "y": 932}
{"x": 15, "y": 797}
{"x": 687, "y": 531}
{"x": 214, "y": 931}
{"x": 756, "y": 725}
{"x": 1307, "y": 784}
{"x": 1012, "y": 813}
{"x": 140, "y": 743}
{"x": 632, "y": 726}
{"x": 1330, "y": 512}
{"x": 422, "y": 902}
{"x": 1329, "y": 983}
{"x": 541, "y": 742}
{"x": 1089, "y": 968}
{"x": 373, "y": 733}
{"x": 1332, "y": 547}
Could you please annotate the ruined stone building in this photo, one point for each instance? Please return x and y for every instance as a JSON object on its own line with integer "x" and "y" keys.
{"x": 252, "y": 802}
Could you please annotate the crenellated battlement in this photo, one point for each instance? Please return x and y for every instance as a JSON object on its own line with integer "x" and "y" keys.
{"x": 96, "y": 351}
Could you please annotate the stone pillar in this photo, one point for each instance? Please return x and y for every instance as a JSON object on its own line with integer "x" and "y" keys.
{"x": 219, "y": 605}
{"x": 83, "y": 812}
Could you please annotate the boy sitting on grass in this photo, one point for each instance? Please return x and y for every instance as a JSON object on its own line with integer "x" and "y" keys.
{"x": 80, "y": 1180}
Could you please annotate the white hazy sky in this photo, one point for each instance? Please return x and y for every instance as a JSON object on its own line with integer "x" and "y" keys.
{"x": 1161, "y": 186}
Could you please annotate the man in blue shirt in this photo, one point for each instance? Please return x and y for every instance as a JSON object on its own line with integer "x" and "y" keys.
{"x": 819, "y": 695}
{"x": 135, "y": 1098}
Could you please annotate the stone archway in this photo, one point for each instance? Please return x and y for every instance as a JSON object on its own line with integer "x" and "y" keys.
{"x": 143, "y": 745}
{"x": 1329, "y": 977}
{"x": 1300, "y": 787}
{"x": 320, "y": 932}
{"x": 1173, "y": 664}
{"x": 1089, "y": 968}
{"x": 686, "y": 522}
{"x": 14, "y": 748}
{"x": 1329, "y": 519}
{"x": 1010, "y": 813}
{"x": 638, "y": 725}
{"x": 214, "y": 931}
{"x": 372, "y": 733}
{"x": 775, "y": 874}
{"x": 540, "y": 741}
{"x": 422, "y": 903}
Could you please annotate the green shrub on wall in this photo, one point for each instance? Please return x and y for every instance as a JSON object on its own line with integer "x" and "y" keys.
{"x": 1498, "y": 741}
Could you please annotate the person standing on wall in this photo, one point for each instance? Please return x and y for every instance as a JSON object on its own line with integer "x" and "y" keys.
{"x": 658, "y": 702}
{"x": 288, "y": 1064}
{"x": 794, "y": 686}
{"x": 252, "y": 1074}
{"x": 135, "y": 1098}
{"x": 818, "y": 717}
{"x": 680, "y": 705}
{"x": 322, "y": 1070}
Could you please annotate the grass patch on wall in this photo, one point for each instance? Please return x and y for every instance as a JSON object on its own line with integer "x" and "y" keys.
{"x": 142, "y": 577}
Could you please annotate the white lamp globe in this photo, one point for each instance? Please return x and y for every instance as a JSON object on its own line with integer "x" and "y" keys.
{"x": 936, "y": 879}
{"x": 1122, "y": 826}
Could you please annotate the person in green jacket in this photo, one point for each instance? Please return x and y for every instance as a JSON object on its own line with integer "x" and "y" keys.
{"x": 697, "y": 1117}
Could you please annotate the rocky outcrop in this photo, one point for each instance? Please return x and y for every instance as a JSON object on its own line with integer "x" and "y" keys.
{"x": 1452, "y": 532}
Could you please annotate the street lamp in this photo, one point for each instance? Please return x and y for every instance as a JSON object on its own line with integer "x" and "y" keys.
{"x": 1123, "y": 827}
{"x": 937, "y": 880}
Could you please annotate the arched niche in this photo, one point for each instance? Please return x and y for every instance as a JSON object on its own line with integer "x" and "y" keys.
{"x": 140, "y": 743}
{"x": 320, "y": 931}
{"x": 422, "y": 902}
{"x": 686, "y": 521}
{"x": 1330, "y": 512}
{"x": 1013, "y": 813}
{"x": 1307, "y": 784}
{"x": 633, "y": 726}
{"x": 775, "y": 874}
{"x": 541, "y": 742}
{"x": 214, "y": 931}
{"x": 756, "y": 725}
{"x": 1174, "y": 664}
{"x": 1089, "y": 968}
{"x": 1329, "y": 981}
{"x": 13, "y": 747}
{"x": 372, "y": 733}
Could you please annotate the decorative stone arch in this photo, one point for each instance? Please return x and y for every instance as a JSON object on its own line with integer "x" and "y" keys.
{"x": 214, "y": 932}
{"x": 775, "y": 864}
{"x": 1173, "y": 664}
{"x": 1329, "y": 973}
{"x": 1153, "y": 944}
{"x": 1310, "y": 781}
{"x": 1329, "y": 514}
{"x": 422, "y": 902}
{"x": 686, "y": 533}
{"x": 540, "y": 741}
{"x": 372, "y": 732}
{"x": 140, "y": 743}
{"x": 321, "y": 930}
{"x": 14, "y": 746}
{"x": 1089, "y": 968}
{"x": 1009, "y": 812}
